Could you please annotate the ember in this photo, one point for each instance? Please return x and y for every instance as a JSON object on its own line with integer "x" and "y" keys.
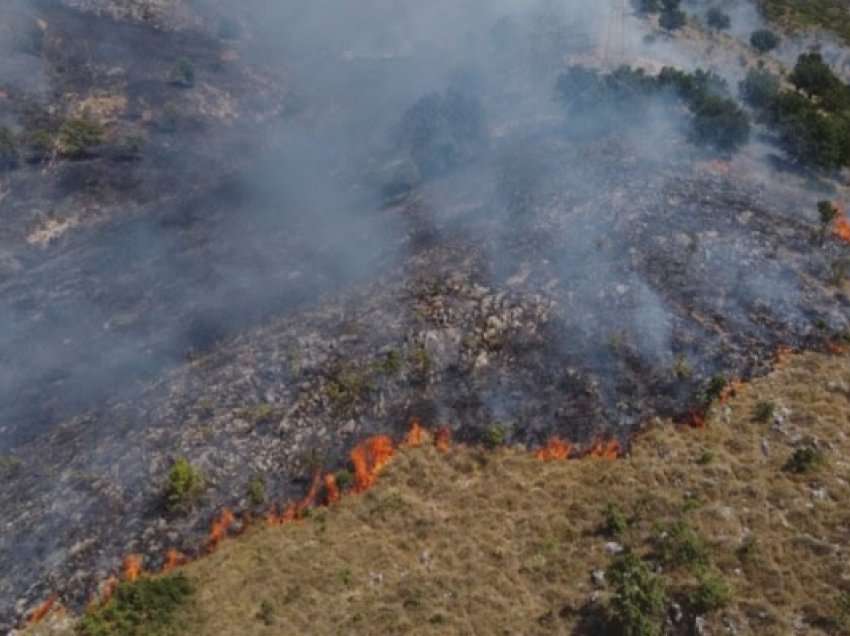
{"x": 841, "y": 229}
{"x": 604, "y": 449}
{"x": 174, "y": 559}
{"x": 555, "y": 449}
{"x": 332, "y": 489}
{"x": 416, "y": 435}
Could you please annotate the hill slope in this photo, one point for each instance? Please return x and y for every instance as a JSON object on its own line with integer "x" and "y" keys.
{"x": 498, "y": 542}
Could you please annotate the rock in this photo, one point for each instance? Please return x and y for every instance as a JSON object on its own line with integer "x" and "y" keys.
{"x": 612, "y": 547}
{"x": 598, "y": 578}
{"x": 699, "y": 626}
{"x": 676, "y": 612}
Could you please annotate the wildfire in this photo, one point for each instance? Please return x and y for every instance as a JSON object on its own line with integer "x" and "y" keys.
{"x": 443, "y": 439}
{"x": 416, "y": 435}
{"x": 369, "y": 459}
{"x": 219, "y": 528}
{"x": 604, "y": 449}
{"x": 132, "y": 567}
{"x": 40, "y": 612}
{"x": 332, "y": 489}
{"x": 174, "y": 559}
{"x": 732, "y": 388}
{"x": 555, "y": 449}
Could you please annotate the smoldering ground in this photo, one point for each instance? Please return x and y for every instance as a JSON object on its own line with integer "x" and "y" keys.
{"x": 356, "y": 214}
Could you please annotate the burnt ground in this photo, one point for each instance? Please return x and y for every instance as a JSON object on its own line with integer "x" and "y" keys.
{"x": 556, "y": 286}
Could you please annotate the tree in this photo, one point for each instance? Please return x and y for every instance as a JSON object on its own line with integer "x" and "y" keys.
{"x": 720, "y": 122}
{"x": 717, "y": 19}
{"x": 760, "y": 88}
{"x": 814, "y": 77}
{"x": 672, "y": 19}
{"x": 183, "y": 73}
{"x": 764, "y": 40}
{"x": 647, "y": 6}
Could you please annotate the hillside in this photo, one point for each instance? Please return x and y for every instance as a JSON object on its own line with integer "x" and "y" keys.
{"x": 475, "y": 541}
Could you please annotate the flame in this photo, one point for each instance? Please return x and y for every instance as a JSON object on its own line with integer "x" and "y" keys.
{"x": 416, "y": 435}
{"x": 841, "y": 229}
{"x": 219, "y": 528}
{"x": 604, "y": 449}
{"x": 369, "y": 458}
{"x": 331, "y": 489}
{"x": 106, "y": 591}
{"x": 443, "y": 439}
{"x": 132, "y": 567}
{"x": 173, "y": 559}
{"x": 40, "y": 612}
{"x": 555, "y": 449}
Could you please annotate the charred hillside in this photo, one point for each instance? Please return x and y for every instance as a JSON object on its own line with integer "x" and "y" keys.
{"x": 240, "y": 240}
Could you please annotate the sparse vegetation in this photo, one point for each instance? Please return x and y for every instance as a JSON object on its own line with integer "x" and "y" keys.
{"x": 495, "y": 435}
{"x": 184, "y": 486}
{"x": 146, "y": 607}
{"x": 347, "y": 387}
{"x": 679, "y": 545}
{"x": 638, "y": 600}
{"x": 183, "y": 73}
{"x": 615, "y": 523}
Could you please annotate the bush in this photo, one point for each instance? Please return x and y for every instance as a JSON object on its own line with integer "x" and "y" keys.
{"x": 764, "y": 40}
{"x": 78, "y": 136}
{"x": 680, "y": 546}
{"x": 714, "y": 389}
{"x": 615, "y": 521}
{"x": 711, "y": 593}
{"x": 717, "y": 19}
{"x": 764, "y": 411}
{"x": 760, "y": 88}
{"x": 804, "y": 460}
{"x": 183, "y": 73}
{"x": 257, "y": 491}
{"x": 638, "y": 602}
{"x": 814, "y": 77}
{"x": 8, "y": 149}
{"x": 146, "y": 607}
{"x": 495, "y": 435}
{"x": 184, "y": 486}
{"x": 827, "y": 212}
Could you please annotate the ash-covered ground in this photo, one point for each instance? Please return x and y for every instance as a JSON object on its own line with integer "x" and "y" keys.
{"x": 274, "y": 248}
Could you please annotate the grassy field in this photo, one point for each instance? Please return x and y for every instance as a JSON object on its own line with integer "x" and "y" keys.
{"x": 832, "y": 15}
{"x": 745, "y": 522}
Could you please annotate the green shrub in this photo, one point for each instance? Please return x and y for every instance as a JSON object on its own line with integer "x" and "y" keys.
{"x": 615, "y": 521}
{"x": 257, "y": 491}
{"x": 720, "y": 122}
{"x": 764, "y": 412}
{"x": 184, "y": 486}
{"x": 495, "y": 435}
{"x": 637, "y": 605}
{"x": 183, "y": 73}
{"x": 764, "y": 40}
{"x": 842, "y": 612}
{"x": 78, "y": 136}
{"x": 714, "y": 388}
{"x": 711, "y": 593}
{"x": 804, "y": 460}
{"x": 827, "y": 212}
{"x": 344, "y": 479}
{"x": 680, "y": 546}
{"x": 146, "y": 607}
{"x": 705, "y": 458}
{"x": 8, "y": 149}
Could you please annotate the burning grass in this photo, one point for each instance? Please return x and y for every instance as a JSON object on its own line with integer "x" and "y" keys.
{"x": 451, "y": 539}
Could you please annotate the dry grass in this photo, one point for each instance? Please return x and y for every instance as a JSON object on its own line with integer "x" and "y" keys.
{"x": 475, "y": 542}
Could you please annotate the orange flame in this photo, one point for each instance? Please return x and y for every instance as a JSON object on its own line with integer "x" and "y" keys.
{"x": 132, "y": 567}
{"x": 40, "y": 612}
{"x": 173, "y": 559}
{"x": 555, "y": 449}
{"x": 604, "y": 449}
{"x": 331, "y": 489}
{"x": 219, "y": 528}
{"x": 416, "y": 435}
{"x": 369, "y": 458}
{"x": 443, "y": 439}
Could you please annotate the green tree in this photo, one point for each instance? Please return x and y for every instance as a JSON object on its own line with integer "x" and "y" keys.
{"x": 814, "y": 77}
{"x": 717, "y": 19}
{"x": 720, "y": 122}
{"x": 760, "y": 88}
{"x": 764, "y": 40}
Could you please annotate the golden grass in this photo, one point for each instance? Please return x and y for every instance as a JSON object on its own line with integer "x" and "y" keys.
{"x": 496, "y": 542}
